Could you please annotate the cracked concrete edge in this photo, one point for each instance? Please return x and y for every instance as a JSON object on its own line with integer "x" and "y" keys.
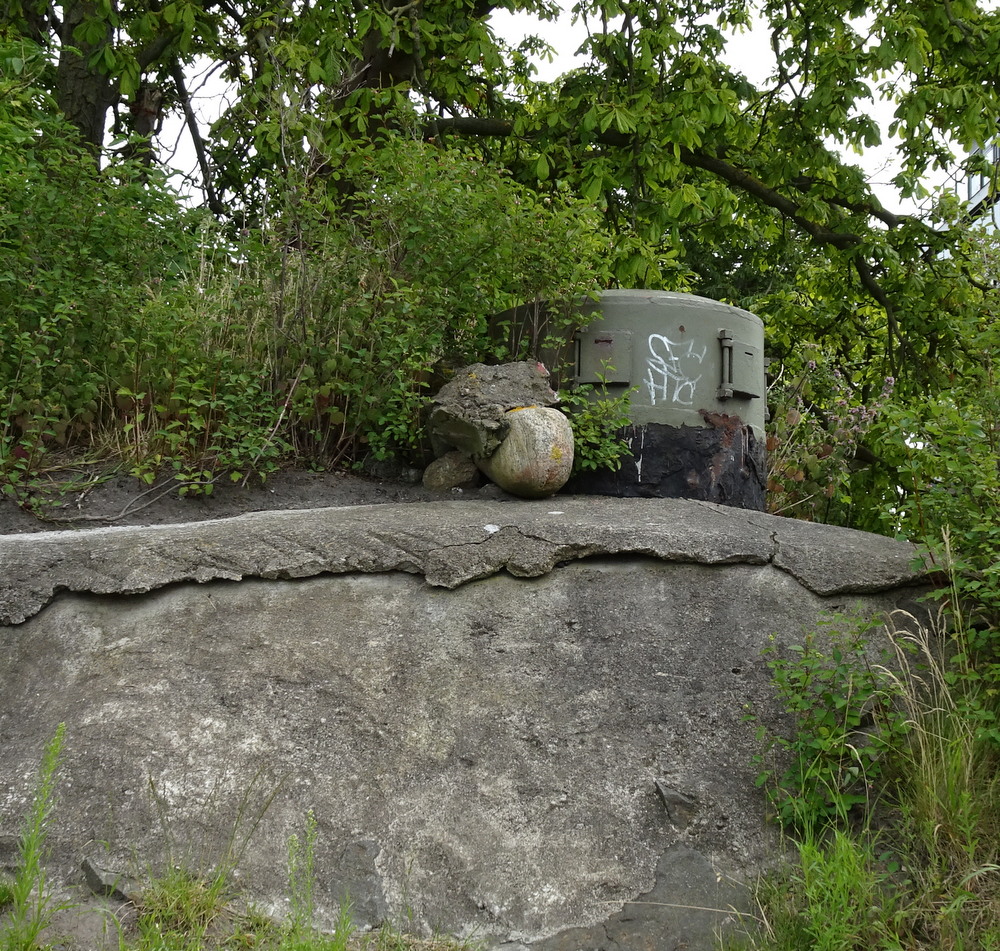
{"x": 448, "y": 543}
{"x": 815, "y": 555}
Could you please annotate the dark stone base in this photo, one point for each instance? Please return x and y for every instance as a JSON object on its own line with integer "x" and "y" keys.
{"x": 721, "y": 462}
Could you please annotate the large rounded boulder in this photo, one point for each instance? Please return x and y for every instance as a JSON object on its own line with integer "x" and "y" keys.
{"x": 536, "y": 458}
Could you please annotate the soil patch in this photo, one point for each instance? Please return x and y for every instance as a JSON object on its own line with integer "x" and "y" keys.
{"x": 76, "y": 499}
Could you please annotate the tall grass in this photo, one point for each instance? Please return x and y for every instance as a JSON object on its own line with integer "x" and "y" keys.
{"x": 950, "y": 801}
{"x": 29, "y": 903}
{"x": 918, "y": 870}
{"x": 837, "y": 897}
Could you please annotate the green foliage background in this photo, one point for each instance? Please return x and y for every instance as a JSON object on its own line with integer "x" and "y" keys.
{"x": 382, "y": 181}
{"x": 139, "y": 330}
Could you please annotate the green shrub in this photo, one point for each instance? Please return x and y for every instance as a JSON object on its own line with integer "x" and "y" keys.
{"x": 135, "y": 331}
{"x": 81, "y": 254}
{"x": 913, "y": 867}
{"x": 599, "y": 422}
{"x": 844, "y": 726}
{"x": 368, "y": 302}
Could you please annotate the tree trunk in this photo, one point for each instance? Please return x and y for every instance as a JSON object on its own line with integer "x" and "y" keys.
{"x": 83, "y": 91}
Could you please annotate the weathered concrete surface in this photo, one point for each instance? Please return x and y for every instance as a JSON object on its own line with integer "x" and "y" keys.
{"x": 447, "y": 543}
{"x": 522, "y": 721}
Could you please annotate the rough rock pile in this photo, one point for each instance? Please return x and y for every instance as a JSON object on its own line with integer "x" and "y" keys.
{"x": 500, "y": 420}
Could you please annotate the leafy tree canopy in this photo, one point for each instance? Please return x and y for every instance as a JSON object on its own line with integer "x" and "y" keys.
{"x": 709, "y": 181}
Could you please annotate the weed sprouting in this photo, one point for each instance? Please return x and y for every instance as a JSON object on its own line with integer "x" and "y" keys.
{"x": 301, "y": 933}
{"x": 302, "y": 875}
{"x": 250, "y": 809}
{"x": 30, "y": 905}
{"x": 6, "y": 892}
{"x": 845, "y": 723}
{"x": 179, "y": 911}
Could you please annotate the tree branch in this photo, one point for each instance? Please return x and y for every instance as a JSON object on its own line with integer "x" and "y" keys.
{"x": 870, "y": 284}
{"x": 153, "y": 51}
{"x": 741, "y": 180}
{"x": 474, "y": 125}
{"x": 962, "y": 26}
{"x": 214, "y": 204}
{"x": 745, "y": 182}
{"x": 874, "y": 208}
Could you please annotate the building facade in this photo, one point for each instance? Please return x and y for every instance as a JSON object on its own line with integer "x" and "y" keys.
{"x": 981, "y": 187}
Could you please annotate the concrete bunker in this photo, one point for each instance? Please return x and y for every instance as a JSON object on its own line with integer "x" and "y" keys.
{"x": 695, "y": 370}
{"x": 520, "y": 721}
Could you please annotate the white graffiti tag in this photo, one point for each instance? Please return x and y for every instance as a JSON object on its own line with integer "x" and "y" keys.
{"x": 667, "y": 376}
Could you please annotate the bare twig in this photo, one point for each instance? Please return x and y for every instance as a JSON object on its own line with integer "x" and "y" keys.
{"x": 274, "y": 428}
{"x": 130, "y": 508}
{"x": 214, "y": 204}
